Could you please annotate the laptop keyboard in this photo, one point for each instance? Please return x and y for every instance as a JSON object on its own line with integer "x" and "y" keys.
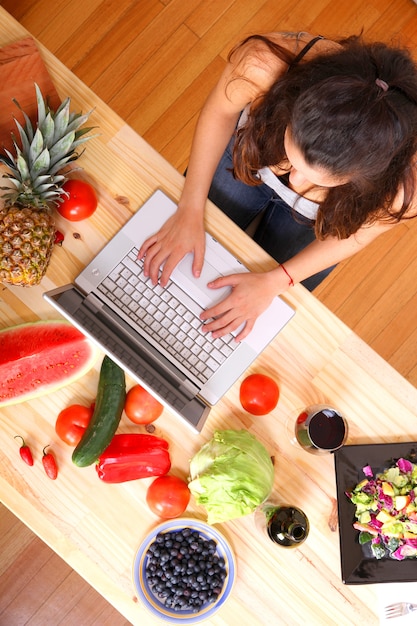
{"x": 168, "y": 316}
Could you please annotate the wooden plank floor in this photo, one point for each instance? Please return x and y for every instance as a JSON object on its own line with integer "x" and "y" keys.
{"x": 154, "y": 62}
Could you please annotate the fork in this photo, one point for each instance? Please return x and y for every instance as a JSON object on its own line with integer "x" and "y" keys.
{"x": 399, "y": 608}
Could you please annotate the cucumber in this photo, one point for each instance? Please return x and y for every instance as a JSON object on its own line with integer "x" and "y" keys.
{"x": 111, "y": 395}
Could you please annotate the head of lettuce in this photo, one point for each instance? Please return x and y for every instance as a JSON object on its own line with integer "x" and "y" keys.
{"x": 231, "y": 475}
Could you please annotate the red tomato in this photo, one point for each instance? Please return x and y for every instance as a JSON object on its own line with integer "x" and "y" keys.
{"x": 72, "y": 422}
{"x": 259, "y": 394}
{"x": 80, "y": 203}
{"x": 168, "y": 496}
{"x": 141, "y": 407}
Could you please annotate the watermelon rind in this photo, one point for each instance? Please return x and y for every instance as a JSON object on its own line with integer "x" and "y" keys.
{"x": 38, "y": 358}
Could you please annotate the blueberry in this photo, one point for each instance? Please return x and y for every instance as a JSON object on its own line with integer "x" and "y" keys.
{"x": 184, "y": 570}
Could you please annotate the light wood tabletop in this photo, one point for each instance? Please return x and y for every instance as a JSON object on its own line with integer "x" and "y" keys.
{"x": 97, "y": 528}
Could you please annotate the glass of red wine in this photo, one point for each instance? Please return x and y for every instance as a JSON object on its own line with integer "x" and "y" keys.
{"x": 320, "y": 429}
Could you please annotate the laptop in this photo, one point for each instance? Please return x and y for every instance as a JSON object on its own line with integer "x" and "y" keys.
{"x": 154, "y": 333}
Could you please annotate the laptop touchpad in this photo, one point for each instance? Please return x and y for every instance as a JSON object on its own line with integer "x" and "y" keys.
{"x": 197, "y": 287}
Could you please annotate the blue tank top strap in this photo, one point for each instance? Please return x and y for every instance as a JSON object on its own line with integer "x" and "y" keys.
{"x": 304, "y": 51}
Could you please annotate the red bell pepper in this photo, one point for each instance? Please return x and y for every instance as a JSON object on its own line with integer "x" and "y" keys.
{"x": 131, "y": 456}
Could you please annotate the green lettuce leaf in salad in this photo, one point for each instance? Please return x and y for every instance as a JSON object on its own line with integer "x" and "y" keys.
{"x": 386, "y": 510}
{"x": 231, "y": 475}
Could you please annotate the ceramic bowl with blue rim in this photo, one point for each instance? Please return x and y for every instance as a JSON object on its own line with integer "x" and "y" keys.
{"x": 184, "y": 571}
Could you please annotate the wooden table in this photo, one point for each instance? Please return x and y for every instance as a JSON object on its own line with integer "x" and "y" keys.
{"x": 97, "y": 528}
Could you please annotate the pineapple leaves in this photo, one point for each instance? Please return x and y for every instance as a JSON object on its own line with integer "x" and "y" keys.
{"x": 41, "y": 105}
{"x": 78, "y": 120}
{"x": 42, "y": 180}
{"x": 61, "y": 121}
{"x": 23, "y": 138}
{"x": 71, "y": 156}
{"x": 61, "y": 148}
{"x": 41, "y": 152}
{"x": 28, "y": 123}
{"x": 47, "y": 179}
{"x": 41, "y": 164}
{"x": 8, "y": 160}
{"x": 22, "y": 167}
{"x": 36, "y": 148}
{"x": 13, "y": 181}
{"x": 47, "y": 129}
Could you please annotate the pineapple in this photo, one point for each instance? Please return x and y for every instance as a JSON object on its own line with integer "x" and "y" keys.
{"x": 35, "y": 179}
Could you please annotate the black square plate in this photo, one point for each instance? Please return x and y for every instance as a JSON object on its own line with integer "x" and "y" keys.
{"x": 358, "y": 565}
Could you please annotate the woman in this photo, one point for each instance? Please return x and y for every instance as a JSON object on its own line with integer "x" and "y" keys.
{"x": 324, "y": 152}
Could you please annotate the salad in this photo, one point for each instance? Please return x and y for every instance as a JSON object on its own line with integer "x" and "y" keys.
{"x": 386, "y": 510}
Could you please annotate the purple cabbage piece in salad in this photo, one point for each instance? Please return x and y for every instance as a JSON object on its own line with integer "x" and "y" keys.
{"x": 404, "y": 465}
{"x": 367, "y": 470}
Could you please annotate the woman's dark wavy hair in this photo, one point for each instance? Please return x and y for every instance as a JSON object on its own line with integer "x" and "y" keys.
{"x": 343, "y": 121}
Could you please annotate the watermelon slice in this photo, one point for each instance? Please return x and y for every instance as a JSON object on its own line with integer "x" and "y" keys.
{"x": 41, "y": 357}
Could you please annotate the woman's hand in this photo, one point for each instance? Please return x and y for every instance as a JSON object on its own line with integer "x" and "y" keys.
{"x": 179, "y": 235}
{"x": 251, "y": 294}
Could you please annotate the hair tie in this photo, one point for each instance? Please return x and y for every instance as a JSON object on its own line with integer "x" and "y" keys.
{"x": 382, "y": 84}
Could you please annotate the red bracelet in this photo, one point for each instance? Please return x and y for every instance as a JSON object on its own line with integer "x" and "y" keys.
{"x": 291, "y": 283}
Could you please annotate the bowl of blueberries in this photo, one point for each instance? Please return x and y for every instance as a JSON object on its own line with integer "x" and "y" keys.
{"x": 184, "y": 571}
